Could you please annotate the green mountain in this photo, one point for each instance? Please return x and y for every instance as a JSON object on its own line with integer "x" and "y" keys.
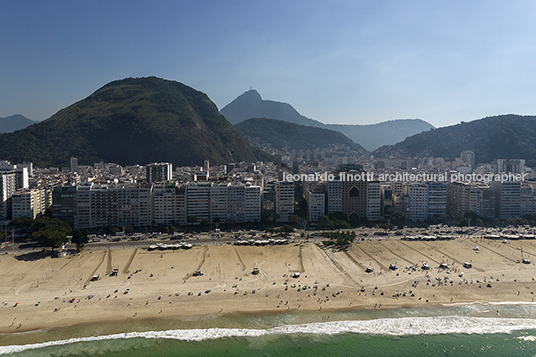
{"x": 251, "y": 105}
{"x": 282, "y": 135}
{"x": 499, "y": 137}
{"x": 14, "y": 122}
{"x": 132, "y": 121}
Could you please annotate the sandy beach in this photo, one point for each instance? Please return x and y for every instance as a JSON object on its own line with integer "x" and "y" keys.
{"x": 47, "y": 292}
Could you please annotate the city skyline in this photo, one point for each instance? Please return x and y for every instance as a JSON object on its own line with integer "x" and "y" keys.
{"x": 343, "y": 62}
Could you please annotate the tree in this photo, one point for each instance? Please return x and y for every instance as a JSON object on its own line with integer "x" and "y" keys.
{"x": 21, "y": 223}
{"x": 112, "y": 230}
{"x": 464, "y": 222}
{"x": 80, "y": 238}
{"x": 49, "y": 237}
{"x": 287, "y": 228}
{"x": 323, "y": 223}
{"x": 171, "y": 229}
{"x": 129, "y": 229}
{"x": 294, "y": 219}
{"x": 301, "y": 208}
{"x": 192, "y": 219}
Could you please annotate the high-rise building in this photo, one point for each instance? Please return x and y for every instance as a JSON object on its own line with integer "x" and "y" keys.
{"x": 236, "y": 202}
{"x": 508, "y": 199}
{"x": 74, "y": 164}
{"x": 165, "y": 204}
{"x": 374, "y": 201}
{"x": 317, "y": 204}
{"x": 206, "y": 167}
{"x": 253, "y": 203}
{"x": 198, "y": 201}
{"x": 437, "y": 198}
{"x": 354, "y": 199}
{"x": 418, "y": 202}
{"x": 8, "y": 186}
{"x": 468, "y": 158}
{"x": 526, "y": 200}
{"x": 515, "y": 166}
{"x": 64, "y": 205}
{"x": 28, "y": 203}
{"x": 284, "y": 200}
{"x": 21, "y": 176}
{"x": 334, "y": 196}
{"x": 159, "y": 172}
{"x": 219, "y": 197}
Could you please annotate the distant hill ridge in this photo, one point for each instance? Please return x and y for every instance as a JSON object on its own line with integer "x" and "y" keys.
{"x": 14, "y": 122}
{"x": 498, "y": 137}
{"x": 282, "y": 135}
{"x": 133, "y": 121}
{"x": 251, "y": 105}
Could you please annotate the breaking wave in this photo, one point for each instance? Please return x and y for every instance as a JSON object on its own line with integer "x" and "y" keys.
{"x": 401, "y": 326}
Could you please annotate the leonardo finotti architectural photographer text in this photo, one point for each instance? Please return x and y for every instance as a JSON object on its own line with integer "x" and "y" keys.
{"x": 406, "y": 177}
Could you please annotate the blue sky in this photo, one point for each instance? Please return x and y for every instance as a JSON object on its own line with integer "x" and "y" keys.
{"x": 335, "y": 61}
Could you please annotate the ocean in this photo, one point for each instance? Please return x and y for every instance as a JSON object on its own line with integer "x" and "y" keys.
{"x": 506, "y": 329}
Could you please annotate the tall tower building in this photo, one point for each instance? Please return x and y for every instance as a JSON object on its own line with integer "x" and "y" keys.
{"x": 468, "y": 158}
{"x": 284, "y": 200}
{"x": 159, "y": 172}
{"x": 74, "y": 164}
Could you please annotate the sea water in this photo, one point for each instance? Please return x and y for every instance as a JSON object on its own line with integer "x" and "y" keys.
{"x": 465, "y": 330}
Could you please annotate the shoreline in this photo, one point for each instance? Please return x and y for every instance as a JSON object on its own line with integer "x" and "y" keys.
{"x": 37, "y": 294}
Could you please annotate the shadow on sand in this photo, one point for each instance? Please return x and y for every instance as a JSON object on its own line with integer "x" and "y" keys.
{"x": 32, "y": 256}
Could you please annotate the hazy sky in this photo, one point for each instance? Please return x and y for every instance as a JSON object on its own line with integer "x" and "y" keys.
{"x": 334, "y": 61}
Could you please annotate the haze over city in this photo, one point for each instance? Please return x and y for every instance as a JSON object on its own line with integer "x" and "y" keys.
{"x": 337, "y": 62}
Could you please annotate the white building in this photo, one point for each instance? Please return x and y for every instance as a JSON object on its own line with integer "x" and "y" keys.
{"x": 374, "y": 201}
{"x": 236, "y": 202}
{"x": 8, "y": 185}
{"x": 317, "y": 206}
{"x": 198, "y": 200}
{"x": 159, "y": 172}
{"x": 29, "y": 203}
{"x": 437, "y": 198}
{"x": 165, "y": 204}
{"x": 284, "y": 200}
{"x": 418, "y": 202}
{"x": 219, "y": 202}
{"x": 253, "y": 203}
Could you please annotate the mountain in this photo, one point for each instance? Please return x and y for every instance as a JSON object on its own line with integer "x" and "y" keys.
{"x": 498, "y": 137}
{"x": 372, "y": 136}
{"x": 282, "y": 135}
{"x": 14, "y": 123}
{"x": 251, "y": 105}
{"x": 132, "y": 121}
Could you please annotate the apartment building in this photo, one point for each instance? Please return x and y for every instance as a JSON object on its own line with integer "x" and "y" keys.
{"x": 284, "y": 200}
{"x": 316, "y": 205}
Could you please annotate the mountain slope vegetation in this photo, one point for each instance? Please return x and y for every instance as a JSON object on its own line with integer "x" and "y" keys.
{"x": 498, "y": 137}
{"x": 133, "y": 121}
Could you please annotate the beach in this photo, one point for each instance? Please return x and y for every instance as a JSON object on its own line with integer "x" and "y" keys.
{"x": 44, "y": 292}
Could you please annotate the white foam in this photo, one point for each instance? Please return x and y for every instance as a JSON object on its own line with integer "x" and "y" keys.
{"x": 511, "y": 303}
{"x": 389, "y": 326}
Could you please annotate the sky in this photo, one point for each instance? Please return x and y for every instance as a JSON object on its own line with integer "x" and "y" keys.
{"x": 346, "y": 62}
